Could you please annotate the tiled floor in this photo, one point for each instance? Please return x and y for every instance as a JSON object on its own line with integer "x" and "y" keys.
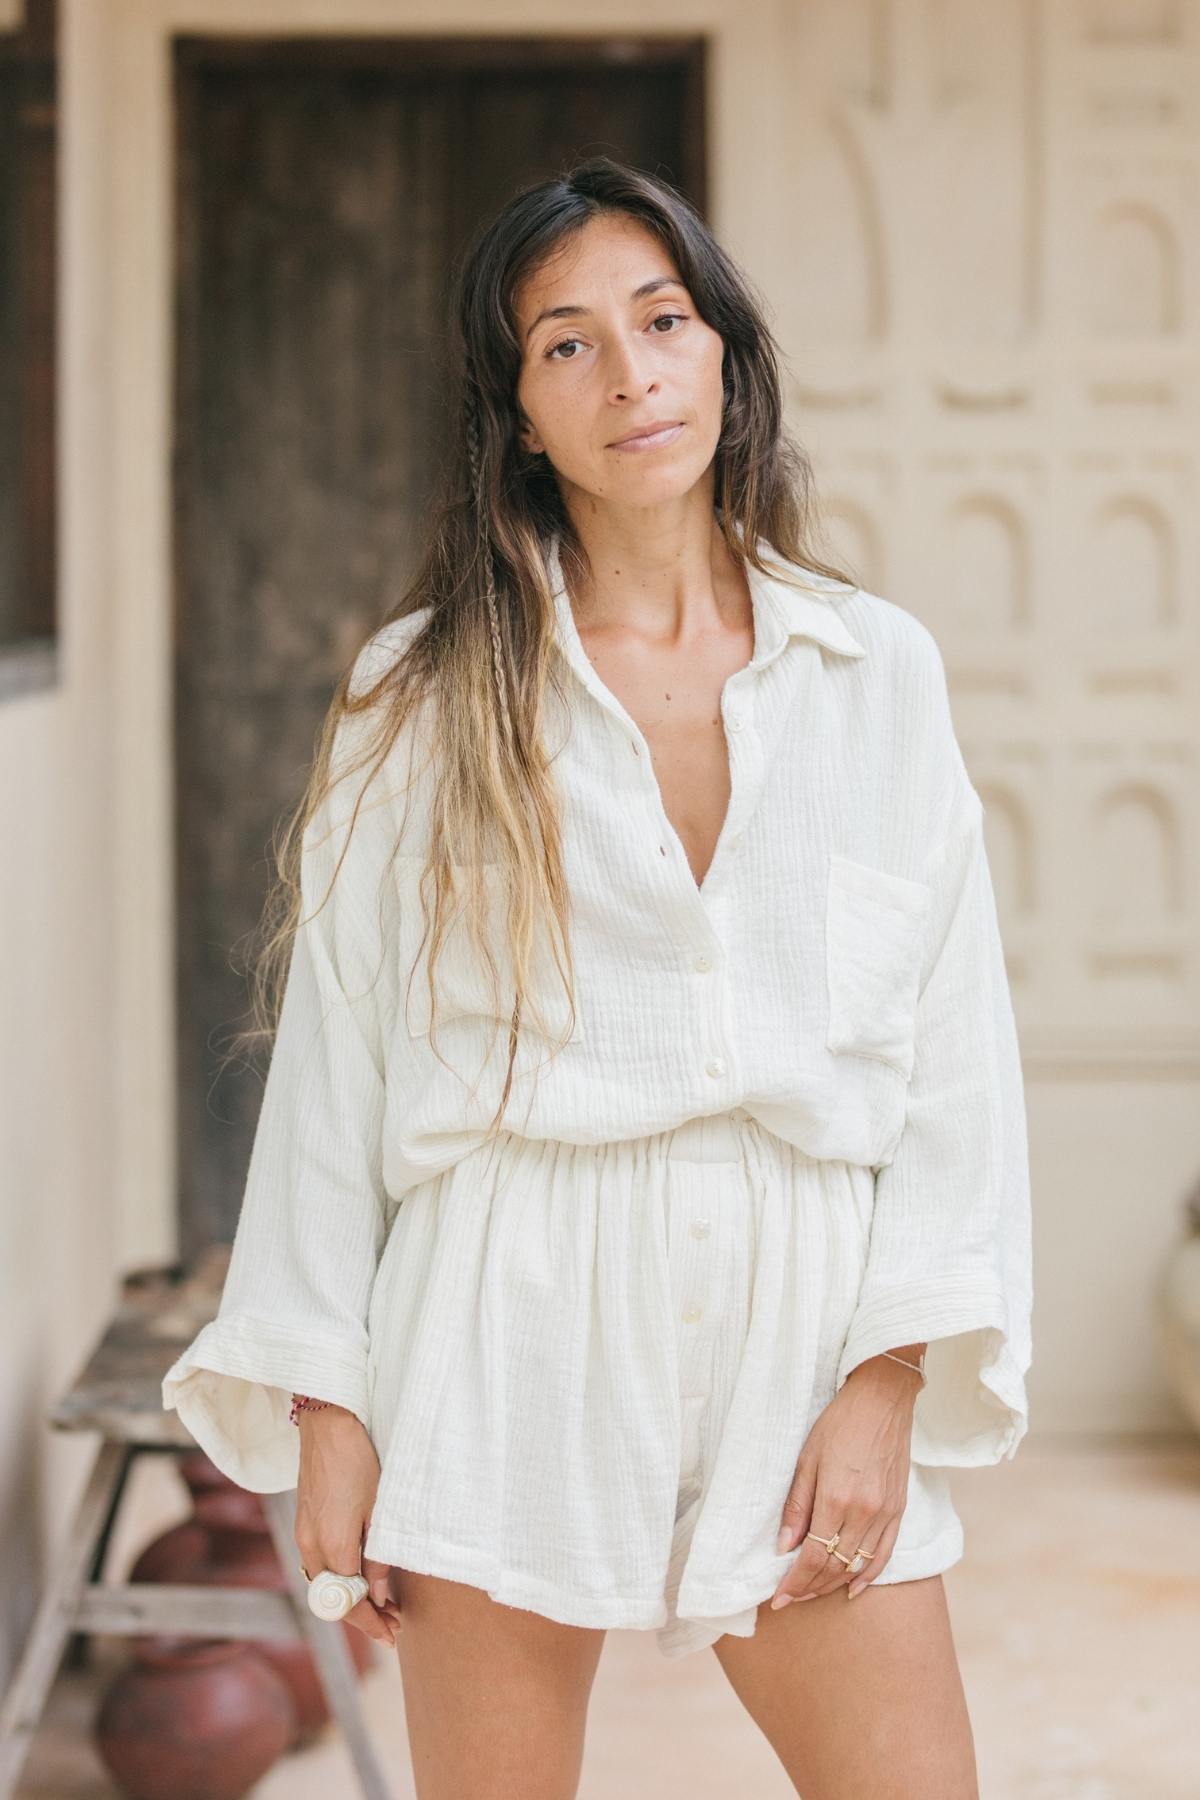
{"x": 1076, "y": 1613}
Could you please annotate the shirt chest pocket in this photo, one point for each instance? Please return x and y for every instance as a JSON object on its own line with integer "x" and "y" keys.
{"x": 874, "y": 939}
{"x": 466, "y": 987}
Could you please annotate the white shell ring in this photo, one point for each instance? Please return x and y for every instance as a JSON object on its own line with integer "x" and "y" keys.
{"x": 331, "y": 1596}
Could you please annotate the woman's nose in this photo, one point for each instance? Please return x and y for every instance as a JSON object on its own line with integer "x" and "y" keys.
{"x": 630, "y": 373}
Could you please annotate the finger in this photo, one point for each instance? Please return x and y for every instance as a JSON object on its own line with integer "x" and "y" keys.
{"x": 340, "y": 1554}
{"x": 366, "y": 1618}
{"x": 831, "y": 1506}
{"x": 377, "y": 1576}
{"x": 883, "y": 1550}
{"x": 308, "y": 1550}
{"x": 861, "y": 1525}
{"x": 808, "y": 1565}
{"x": 796, "y": 1516}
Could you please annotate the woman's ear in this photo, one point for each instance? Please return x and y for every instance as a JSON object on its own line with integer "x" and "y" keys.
{"x": 527, "y": 436}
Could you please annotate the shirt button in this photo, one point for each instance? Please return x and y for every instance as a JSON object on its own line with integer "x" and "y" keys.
{"x": 692, "y": 1313}
{"x": 715, "y": 1066}
{"x": 700, "y": 1228}
{"x": 734, "y": 721}
{"x": 703, "y": 961}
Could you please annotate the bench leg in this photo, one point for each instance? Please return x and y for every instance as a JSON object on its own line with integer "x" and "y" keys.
{"x": 334, "y": 1663}
{"x": 79, "y": 1644}
{"x": 26, "y": 1698}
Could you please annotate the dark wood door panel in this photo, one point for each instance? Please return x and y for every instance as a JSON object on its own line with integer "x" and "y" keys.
{"x": 324, "y": 190}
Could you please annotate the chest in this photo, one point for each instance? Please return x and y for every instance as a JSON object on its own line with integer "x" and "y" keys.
{"x": 674, "y": 696}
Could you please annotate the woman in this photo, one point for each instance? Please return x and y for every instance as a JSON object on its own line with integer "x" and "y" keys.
{"x": 618, "y": 1316}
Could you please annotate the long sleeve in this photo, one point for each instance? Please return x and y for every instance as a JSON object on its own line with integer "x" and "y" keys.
{"x": 293, "y": 1313}
{"x": 949, "y": 1254}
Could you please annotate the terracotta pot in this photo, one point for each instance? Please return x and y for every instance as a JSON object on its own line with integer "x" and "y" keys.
{"x": 228, "y": 1544}
{"x": 193, "y": 1720}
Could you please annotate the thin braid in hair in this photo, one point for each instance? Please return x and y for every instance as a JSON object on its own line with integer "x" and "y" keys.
{"x": 484, "y": 538}
{"x": 475, "y": 452}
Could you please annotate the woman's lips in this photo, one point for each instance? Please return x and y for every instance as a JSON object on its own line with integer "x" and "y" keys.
{"x": 655, "y": 440}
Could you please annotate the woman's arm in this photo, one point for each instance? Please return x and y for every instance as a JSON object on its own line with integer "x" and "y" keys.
{"x": 949, "y": 1256}
{"x": 948, "y": 1259}
{"x": 907, "y": 1353}
{"x": 314, "y": 1215}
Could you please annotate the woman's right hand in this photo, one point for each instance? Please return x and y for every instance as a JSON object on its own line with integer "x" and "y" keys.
{"x": 339, "y": 1473}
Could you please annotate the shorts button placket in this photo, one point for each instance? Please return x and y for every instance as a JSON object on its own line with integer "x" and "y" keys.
{"x": 701, "y": 1169}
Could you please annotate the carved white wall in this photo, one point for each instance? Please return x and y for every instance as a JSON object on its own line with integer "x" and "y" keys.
{"x": 994, "y": 337}
{"x": 992, "y": 325}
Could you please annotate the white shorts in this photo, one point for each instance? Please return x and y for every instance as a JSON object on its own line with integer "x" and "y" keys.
{"x": 593, "y": 1368}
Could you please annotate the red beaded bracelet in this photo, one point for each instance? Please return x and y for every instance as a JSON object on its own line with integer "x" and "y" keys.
{"x": 301, "y": 1402}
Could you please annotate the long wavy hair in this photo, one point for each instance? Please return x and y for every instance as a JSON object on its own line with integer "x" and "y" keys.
{"x": 483, "y": 659}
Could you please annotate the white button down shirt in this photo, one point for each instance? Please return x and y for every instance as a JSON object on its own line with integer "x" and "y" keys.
{"x": 838, "y": 975}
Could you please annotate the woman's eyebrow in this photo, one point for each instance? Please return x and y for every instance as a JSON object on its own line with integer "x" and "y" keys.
{"x": 575, "y": 312}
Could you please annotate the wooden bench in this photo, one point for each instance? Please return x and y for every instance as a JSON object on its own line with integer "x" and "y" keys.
{"x": 118, "y": 1395}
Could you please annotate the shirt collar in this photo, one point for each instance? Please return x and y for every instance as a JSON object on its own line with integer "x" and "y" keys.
{"x": 781, "y": 611}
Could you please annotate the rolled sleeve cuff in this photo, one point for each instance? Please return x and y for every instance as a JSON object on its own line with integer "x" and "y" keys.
{"x": 232, "y": 1388}
{"x": 972, "y": 1409}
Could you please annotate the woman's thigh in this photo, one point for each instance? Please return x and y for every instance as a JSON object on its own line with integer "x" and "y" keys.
{"x": 860, "y": 1696}
{"x": 495, "y": 1697}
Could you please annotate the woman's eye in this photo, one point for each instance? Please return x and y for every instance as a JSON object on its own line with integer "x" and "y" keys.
{"x": 566, "y": 343}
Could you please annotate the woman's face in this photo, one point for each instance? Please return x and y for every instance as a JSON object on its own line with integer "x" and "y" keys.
{"x": 617, "y": 360}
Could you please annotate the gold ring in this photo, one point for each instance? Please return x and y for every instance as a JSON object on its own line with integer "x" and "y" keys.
{"x": 853, "y": 1563}
{"x": 829, "y": 1543}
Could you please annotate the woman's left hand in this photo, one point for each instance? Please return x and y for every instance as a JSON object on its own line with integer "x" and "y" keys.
{"x": 852, "y": 1478}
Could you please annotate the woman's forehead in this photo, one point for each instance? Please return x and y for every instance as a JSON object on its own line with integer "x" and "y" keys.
{"x": 564, "y": 276}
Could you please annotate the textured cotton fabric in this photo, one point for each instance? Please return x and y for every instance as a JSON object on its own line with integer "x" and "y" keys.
{"x": 577, "y": 1403}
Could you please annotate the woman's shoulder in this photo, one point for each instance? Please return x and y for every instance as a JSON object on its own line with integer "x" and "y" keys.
{"x": 885, "y": 624}
{"x": 907, "y": 694}
{"x": 384, "y": 648}
{"x": 895, "y": 640}
{"x": 359, "y": 761}
{"x": 903, "y": 655}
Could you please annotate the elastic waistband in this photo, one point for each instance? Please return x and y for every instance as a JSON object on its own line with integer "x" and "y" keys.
{"x": 711, "y": 1137}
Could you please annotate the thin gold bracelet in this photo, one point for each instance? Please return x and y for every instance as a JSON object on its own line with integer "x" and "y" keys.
{"x": 917, "y": 1368}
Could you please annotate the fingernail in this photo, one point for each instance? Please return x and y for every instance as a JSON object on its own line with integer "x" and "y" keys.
{"x": 809, "y": 1596}
{"x": 379, "y": 1591}
{"x": 783, "y": 1542}
{"x": 853, "y": 1593}
{"x": 781, "y": 1600}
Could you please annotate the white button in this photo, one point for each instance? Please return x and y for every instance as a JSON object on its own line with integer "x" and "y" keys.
{"x": 703, "y": 961}
{"x": 700, "y": 1227}
{"x": 692, "y": 1313}
{"x": 734, "y": 721}
{"x": 715, "y": 1066}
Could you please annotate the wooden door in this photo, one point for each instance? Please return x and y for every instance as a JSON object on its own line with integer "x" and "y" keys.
{"x": 324, "y": 190}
